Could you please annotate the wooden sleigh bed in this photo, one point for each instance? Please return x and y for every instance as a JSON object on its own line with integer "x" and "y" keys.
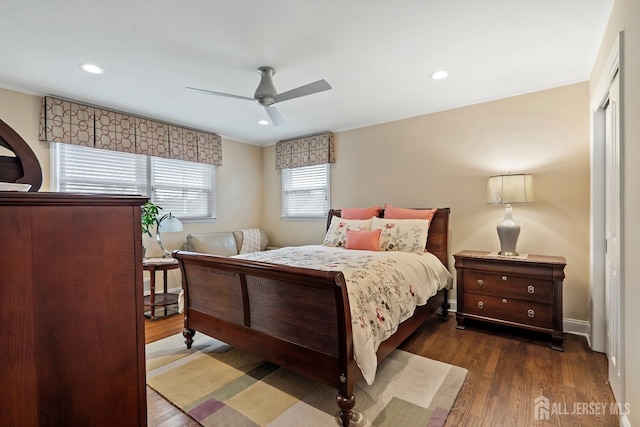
{"x": 297, "y": 318}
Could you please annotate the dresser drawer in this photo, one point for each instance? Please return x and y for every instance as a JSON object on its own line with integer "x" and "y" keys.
{"x": 508, "y": 286}
{"x": 513, "y": 310}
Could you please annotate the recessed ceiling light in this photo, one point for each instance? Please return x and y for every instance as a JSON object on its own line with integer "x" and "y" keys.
{"x": 93, "y": 69}
{"x": 263, "y": 122}
{"x": 439, "y": 75}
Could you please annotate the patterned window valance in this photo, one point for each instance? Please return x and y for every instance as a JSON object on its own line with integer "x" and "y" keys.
{"x": 152, "y": 138}
{"x": 68, "y": 122}
{"x": 306, "y": 151}
{"x": 73, "y": 123}
{"x": 115, "y": 131}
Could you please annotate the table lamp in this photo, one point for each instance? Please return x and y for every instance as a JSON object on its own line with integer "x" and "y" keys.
{"x": 507, "y": 190}
{"x": 167, "y": 224}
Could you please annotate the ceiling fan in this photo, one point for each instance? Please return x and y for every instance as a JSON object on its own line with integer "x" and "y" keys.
{"x": 267, "y": 96}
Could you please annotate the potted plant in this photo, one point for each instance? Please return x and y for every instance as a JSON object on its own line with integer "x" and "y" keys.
{"x": 149, "y": 219}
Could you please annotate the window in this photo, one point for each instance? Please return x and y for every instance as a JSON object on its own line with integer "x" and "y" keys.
{"x": 185, "y": 189}
{"x": 305, "y": 192}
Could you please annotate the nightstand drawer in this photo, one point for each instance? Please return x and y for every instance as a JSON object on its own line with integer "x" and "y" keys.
{"x": 510, "y": 268}
{"x": 513, "y": 310}
{"x": 508, "y": 286}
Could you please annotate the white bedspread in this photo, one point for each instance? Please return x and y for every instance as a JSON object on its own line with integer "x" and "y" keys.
{"x": 384, "y": 288}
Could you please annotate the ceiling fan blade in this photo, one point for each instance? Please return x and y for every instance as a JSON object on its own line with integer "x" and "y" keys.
{"x": 311, "y": 88}
{"x": 274, "y": 115}
{"x": 228, "y": 95}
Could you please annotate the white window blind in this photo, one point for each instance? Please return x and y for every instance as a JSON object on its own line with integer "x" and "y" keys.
{"x": 89, "y": 170}
{"x": 183, "y": 188}
{"x": 186, "y": 189}
{"x": 305, "y": 192}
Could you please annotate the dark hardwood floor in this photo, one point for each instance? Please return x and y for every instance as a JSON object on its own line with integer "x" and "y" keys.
{"x": 508, "y": 369}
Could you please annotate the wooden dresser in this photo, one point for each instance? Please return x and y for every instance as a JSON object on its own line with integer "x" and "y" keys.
{"x": 71, "y": 314}
{"x": 526, "y": 293}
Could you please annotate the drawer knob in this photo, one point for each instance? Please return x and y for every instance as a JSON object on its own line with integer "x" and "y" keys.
{"x": 531, "y": 313}
{"x": 504, "y": 300}
{"x": 531, "y": 289}
{"x": 504, "y": 277}
{"x": 480, "y": 282}
{"x": 480, "y": 304}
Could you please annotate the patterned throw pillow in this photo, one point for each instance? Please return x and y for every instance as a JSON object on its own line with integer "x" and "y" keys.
{"x": 337, "y": 233}
{"x": 250, "y": 240}
{"x": 406, "y": 235}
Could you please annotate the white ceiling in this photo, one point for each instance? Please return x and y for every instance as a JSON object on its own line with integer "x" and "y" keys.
{"x": 376, "y": 54}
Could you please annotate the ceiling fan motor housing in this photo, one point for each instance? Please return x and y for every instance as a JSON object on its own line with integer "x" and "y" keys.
{"x": 266, "y": 90}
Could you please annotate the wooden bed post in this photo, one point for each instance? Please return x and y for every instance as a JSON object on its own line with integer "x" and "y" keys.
{"x": 346, "y": 405}
{"x": 445, "y": 305}
{"x": 188, "y": 334}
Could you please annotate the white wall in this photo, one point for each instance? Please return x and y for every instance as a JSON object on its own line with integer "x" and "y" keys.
{"x": 444, "y": 160}
{"x": 439, "y": 159}
{"x": 22, "y": 113}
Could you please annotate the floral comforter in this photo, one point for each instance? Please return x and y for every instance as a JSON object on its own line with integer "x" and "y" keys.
{"x": 384, "y": 288}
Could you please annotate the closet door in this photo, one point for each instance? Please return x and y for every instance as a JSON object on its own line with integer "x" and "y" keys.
{"x": 613, "y": 282}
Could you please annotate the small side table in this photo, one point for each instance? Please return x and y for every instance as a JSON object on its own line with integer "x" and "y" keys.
{"x": 165, "y": 298}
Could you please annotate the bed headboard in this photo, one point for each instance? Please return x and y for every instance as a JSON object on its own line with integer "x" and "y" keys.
{"x": 438, "y": 238}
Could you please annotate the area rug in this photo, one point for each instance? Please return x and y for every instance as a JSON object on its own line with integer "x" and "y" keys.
{"x": 218, "y": 385}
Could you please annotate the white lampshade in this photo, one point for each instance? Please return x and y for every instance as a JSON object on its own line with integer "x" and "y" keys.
{"x": 167, "y": 224}
{"x": 510, "y": 189}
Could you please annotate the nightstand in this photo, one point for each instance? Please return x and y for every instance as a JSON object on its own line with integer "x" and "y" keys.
{"x": 521, "y": 292}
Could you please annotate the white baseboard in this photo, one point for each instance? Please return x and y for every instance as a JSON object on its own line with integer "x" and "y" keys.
{"x": 576, "y": 327}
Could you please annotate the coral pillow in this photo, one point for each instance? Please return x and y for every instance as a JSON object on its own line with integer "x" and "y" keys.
{"x": 360, "y": 213}
{"x": 392, "y": 212}
{"x": 363, "y": 240}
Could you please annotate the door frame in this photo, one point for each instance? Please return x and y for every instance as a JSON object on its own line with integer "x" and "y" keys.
{"x": 597, "y": 306}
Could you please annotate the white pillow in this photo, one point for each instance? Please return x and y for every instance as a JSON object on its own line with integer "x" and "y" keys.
{"x": 337, "y": 233}
{"x": 405, "y": 235}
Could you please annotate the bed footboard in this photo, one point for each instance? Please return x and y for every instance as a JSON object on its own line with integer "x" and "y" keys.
{"x": 294, "y": 317}
{"x": 297, "y": 318}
